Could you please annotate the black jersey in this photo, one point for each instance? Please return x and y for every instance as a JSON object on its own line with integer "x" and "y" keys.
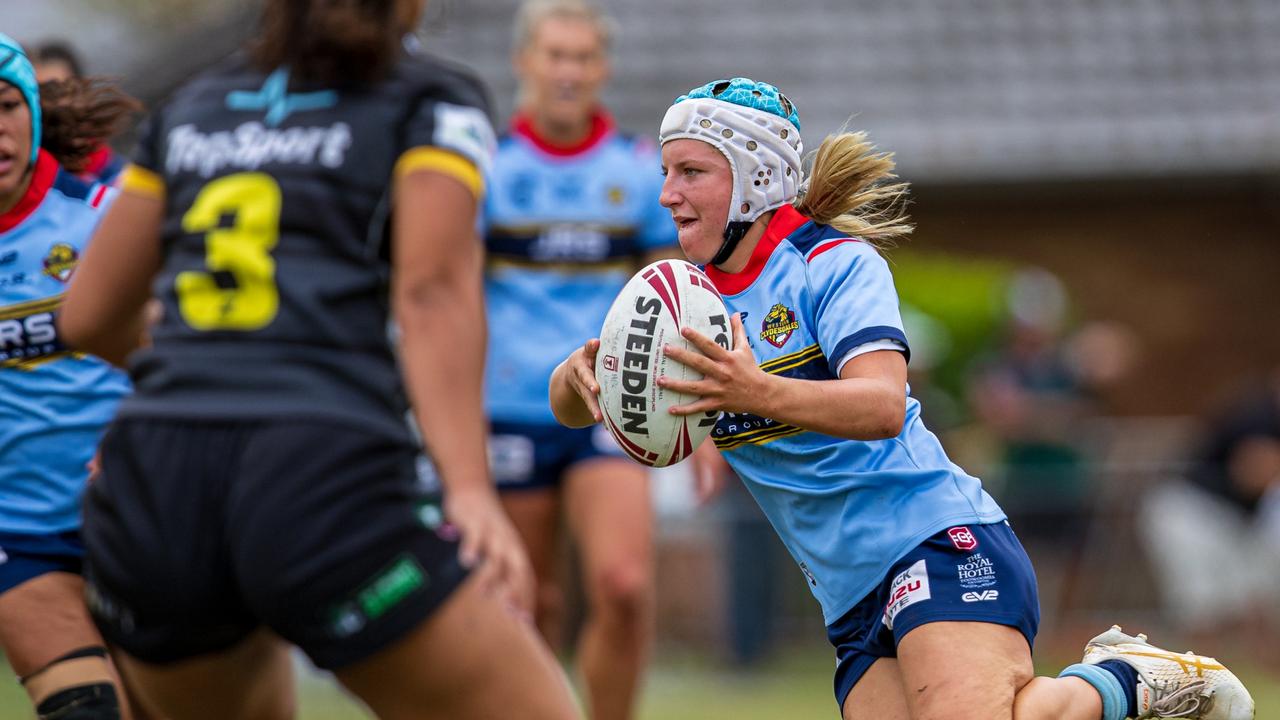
{"x": 276, "y": 251}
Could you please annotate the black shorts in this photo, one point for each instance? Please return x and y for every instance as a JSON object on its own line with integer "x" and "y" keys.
{"x": 198, "y": 532}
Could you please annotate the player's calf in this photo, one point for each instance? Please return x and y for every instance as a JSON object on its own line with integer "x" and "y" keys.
{"x": 76, "y": 686}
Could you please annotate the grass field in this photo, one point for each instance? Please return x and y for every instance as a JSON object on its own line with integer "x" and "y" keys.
{"x": 795, "y": 686}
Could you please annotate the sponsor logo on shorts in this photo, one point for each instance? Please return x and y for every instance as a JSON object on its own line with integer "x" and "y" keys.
{"x": 983, "y": 596}
{"x": 378, "y": 596}
{"x": 963, "y": 538}
{"x": 976, "y": 572}
{"x": 909, "y": 587}
{"x": 107, "y": 609}
{"x": 3, "y": 557}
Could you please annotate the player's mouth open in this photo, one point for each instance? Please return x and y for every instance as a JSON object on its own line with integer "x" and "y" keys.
{"x": 6, "y": 162}
{"x": 685, "y": 222}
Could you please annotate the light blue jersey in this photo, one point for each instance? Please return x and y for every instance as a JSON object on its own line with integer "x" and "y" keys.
{"x": 54, "y": 404}
{"x": 845, "y": 509}
{"x": 565, "y": 229}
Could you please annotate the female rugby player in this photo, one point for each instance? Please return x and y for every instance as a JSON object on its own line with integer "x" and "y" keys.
{"x": 259, "y": 488}
{"x": 55, "y": 403}
{"x": 572, "y": 211}
{"x": 927, "y": 594}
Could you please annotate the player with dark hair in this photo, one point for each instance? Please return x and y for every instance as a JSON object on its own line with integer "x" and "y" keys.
{"x": 56, "y": 63}
{"x": 260, "y": 486}
{"x": 55, "y": 60}
{"x": 55, "y": 403}
{"x": 927, "y": 594}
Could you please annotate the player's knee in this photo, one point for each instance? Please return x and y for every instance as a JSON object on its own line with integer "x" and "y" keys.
{"x": 83, "y": 702}
{"x": 624, "y": 590}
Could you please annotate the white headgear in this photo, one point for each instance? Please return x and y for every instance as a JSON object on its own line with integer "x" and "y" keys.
{"x": 763, "y": 150}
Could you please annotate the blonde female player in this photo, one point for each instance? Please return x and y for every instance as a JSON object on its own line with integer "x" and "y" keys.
{"x": 927, "y": 594}
{"x": 259, "y": 487}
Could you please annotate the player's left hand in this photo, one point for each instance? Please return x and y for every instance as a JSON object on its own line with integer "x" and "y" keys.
{"x": 731, "y": 379}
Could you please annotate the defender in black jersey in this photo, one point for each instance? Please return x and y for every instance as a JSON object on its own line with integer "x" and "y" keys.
{"x": 284, "y": 207}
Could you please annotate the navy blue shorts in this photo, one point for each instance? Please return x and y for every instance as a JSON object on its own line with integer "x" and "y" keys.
{"x": 24, "y": 557}
{"x": 531, "y": 456}
{"x": 973, "y": 573}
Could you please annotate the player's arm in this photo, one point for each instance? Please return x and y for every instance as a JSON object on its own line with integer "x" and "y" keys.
{"x": 103, "y": 310}
{"x": 437, "y": 299}
{"x": 867, "y": 402}
{"x": 574, "y": 392}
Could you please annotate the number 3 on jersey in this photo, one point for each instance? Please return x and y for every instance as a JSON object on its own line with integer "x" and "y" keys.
{"x": 238, "y": 291}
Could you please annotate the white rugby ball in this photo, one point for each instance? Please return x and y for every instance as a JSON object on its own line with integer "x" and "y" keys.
{"x": 649, "y": 313}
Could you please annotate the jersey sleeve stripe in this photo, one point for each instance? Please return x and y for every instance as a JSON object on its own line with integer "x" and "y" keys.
{"x": 825, "y": 247}
{"x": 441, "y": 161}
{"x": 866, "y": 335}
{"x": 141, "y": 181}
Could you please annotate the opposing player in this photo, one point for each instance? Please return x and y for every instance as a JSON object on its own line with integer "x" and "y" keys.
{"x": 258, "y": 489}
{"x": 572, "y": 212}
{"x": 55, "y": 404}
{"x": 927, "y": 594}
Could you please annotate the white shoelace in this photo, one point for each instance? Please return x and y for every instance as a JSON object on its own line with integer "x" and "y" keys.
{"x": 1184, "y": 702}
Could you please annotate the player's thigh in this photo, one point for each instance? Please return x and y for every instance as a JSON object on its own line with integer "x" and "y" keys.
{"x": 44, "y": 619}
{"x": 963, "y": 670}
{"x": 470, "y": 660}
{"x": 878, "y": 694}
{"x": 536, "y": 516}
{"x": 252, "y": 680}
{"x": 609, "y": 512}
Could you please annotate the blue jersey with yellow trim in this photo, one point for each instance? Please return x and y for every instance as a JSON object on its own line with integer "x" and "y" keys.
{"x": 846, "y": 509}
{"x": 54, "y": 404}
{"x": 565, "y": 229}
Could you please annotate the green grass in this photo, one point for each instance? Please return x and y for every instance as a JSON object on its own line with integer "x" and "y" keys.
{"x": 794, "y": 686}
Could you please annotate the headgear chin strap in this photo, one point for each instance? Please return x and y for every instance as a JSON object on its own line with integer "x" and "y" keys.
{"x": 757, "y": 128}
{"x": 16, "y": 70}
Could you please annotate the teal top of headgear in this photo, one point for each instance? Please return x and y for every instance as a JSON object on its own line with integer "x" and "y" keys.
{"x": 747, "y": 93}
{"x": 16, "y": 70}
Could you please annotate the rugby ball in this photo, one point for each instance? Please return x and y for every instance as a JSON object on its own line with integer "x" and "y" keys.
{"x": 649, "y": 313}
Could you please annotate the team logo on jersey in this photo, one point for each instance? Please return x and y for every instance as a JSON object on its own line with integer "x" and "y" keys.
{"x": 61, "y": 261}
{"x": 777, "y": 326}
{"x": 616, "y": 194}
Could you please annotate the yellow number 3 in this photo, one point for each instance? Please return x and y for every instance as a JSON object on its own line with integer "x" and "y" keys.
{"x": 238, "y": 292}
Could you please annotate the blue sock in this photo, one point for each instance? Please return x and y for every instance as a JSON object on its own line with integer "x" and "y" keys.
{"x": 1115, "y": 706}
{"x": 1128, "y": 678}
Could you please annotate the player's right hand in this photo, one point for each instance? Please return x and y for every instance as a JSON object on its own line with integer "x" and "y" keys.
{"x": 491, "y": 546}
{"x": 580, "y": 372}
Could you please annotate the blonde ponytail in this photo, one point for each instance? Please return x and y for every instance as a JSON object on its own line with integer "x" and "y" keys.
{"x": 850, "y": 188}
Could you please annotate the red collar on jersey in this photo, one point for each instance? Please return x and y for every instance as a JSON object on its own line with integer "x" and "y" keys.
{"x": 601, "y": 126}
{"x": 41, "y": 180}
{"x": 785, "y": 221}
{"x": 97, "y": 161}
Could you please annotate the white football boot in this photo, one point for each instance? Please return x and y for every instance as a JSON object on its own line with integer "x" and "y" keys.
{"x": 1174, "y": 685}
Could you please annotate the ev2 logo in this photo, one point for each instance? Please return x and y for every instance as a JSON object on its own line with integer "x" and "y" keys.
{"x": 985, "y": 595}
